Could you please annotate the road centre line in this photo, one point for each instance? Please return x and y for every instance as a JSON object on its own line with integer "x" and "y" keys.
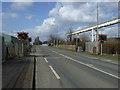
{"x": 55, "y": 73}
{"x": 88, "y": 65}
{"x": 46, "y": 60}
{"x": 57, "y": 76}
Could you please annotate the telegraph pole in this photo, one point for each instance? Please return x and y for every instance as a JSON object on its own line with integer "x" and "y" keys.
{"x": 97, "y": 23}
{"x": 97, "y": 30}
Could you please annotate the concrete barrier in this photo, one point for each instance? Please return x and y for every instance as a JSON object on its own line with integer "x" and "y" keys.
{"x": 2, "y": 48}
{"x": 92, "y": 47}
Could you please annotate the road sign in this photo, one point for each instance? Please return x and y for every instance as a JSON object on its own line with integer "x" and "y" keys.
{"x": 101, "y": 42}
{"x": 22, "y": 35}
{"x": 102, "y": 37}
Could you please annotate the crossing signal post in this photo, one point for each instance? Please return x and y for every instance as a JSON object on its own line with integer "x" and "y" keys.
{"x": 101, "y": 39}
{"x": 22, "y": 36}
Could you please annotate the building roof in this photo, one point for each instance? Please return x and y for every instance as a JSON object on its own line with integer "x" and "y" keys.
{"x": 10, "y": 39}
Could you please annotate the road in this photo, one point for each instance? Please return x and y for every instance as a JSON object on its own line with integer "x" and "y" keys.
{"x": 57, "y": 68}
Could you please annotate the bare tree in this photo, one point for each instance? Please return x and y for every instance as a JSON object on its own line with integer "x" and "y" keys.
{"x": 70, "y": 36}
{"x": 84, "y": 37}
{"x": 37, "y": 41}
{"x": 52, "y": 38}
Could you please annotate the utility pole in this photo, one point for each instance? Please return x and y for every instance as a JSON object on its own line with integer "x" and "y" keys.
{"x": 57, "y": 40}
{"x": 97, "y": 23}
{"x": 92, "y": 35}
{"x": 96, "y": 32}
{"x": 77, "y": 36}
{"x": 101, "y": 48}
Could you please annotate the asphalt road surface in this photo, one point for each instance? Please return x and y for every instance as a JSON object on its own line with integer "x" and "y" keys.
{"x": 57, "y": 68}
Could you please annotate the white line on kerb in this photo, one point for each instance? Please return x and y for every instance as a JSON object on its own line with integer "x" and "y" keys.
{"x": 36, "y": 73}
{"x": 32, "y": 75}
{"x": 88, "y": 65}
{"x": 57, "y": 76}
{"x": 46, "y": 60}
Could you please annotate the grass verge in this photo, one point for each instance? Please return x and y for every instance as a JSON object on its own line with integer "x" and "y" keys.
{"x": 104, "y": 56}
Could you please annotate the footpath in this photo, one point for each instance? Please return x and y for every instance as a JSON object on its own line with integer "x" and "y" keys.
{"x": 18, "y": 73}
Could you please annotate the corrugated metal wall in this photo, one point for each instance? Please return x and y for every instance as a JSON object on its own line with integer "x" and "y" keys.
{"x": 13, "y": 48}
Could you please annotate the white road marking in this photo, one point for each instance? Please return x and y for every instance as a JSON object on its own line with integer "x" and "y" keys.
{"x": 108, "y": 60}
{"x": 46, "y": 60}
{"x": 36, "y": 73}
{"x": 32, "y": 75}
{"x": 57, "y": 76}
{"x": 88, "y": 65}
{"x": 106, "y": 72}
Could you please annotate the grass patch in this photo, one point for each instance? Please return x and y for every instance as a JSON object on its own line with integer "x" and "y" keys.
{"x": 104, "y": 56}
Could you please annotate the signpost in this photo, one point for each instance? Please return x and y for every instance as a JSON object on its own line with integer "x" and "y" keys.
{"x": 102, "y": 38}
{"x": 22, "y": 35}
{"x": 101, "y": 44}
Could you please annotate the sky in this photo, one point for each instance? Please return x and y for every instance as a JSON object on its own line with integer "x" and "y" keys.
{"x": 45, "y": 18}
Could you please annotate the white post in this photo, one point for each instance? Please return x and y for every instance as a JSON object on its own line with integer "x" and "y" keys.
{"x": 22, "y": 49}
{"x": 76, "y": 39}
{"x": 54, "y": 43}
{"x": 101, "y": 49}
{"x": 92, "y": 35}
{"x": 95, "y": 35}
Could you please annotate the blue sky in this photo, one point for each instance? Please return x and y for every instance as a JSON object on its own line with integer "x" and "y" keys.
{"x": 43, "y": 18}
{"x": 39, "y": 12}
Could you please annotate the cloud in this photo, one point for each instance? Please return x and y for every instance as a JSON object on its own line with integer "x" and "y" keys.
{"x": 42, "y": 30}
{"x": 21, "y": 5}
{"x": 12, "y": 32}
{"x": 9, "y": 15}
{"x": 21, "y": 0}
{"x": 82, "y": 11}
{"x": 68, "y": 14}
{"x": 77, "y": 14}
{"x": 88, "y": 0}
{"x": 60, "y": 0}
{"x": 29, "y": 17}
{"x": 33, "y": 18}
{"x": 65, "y": 15}
{"x": 111, "y": 30}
